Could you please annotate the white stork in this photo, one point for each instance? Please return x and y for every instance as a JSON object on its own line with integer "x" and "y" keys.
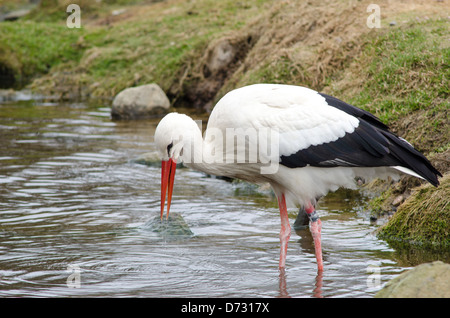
{"x": 321, "y": 144}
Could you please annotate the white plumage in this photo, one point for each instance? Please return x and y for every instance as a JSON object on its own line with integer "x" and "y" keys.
{"x": 321, "y": 144}
{"x": 302, "y": 116}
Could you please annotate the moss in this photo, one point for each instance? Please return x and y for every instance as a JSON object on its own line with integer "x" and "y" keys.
{"x": 30, "y": 49}
{"x": 381, "y": 204}
{"x": 423, "y": 218}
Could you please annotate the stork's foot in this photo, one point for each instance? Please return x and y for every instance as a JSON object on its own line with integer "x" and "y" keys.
{"x": 302, "y": 220}
{"x": 315, "y": 227}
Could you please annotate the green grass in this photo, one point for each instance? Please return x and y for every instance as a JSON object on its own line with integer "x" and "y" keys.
{"x": 402, "y": 76}
{"x": 158, "y": 49}
{"x": 153, "y": 48}
{"x": 280, "y": 71}
{"x": 397, "y": 71}
{"x": 407, "y": 70}
{"x": 31, "y": 49}
{"x": 55, "y": 10}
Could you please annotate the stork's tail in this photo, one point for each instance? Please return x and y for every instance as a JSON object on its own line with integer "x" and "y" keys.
{"x": 412, "y": 161}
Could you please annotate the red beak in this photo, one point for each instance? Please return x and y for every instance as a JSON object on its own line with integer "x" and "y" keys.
{"x": 167, "y": 179}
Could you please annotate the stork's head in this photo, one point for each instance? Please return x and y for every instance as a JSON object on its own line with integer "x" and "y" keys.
{"x": 173, "y": 141}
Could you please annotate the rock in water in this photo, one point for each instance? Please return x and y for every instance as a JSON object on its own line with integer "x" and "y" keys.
{"x": 14, "y": 15}
{"x": 173, "y": 228}
{"x": 148, "y": 159}
{"x": 431, "y": 280}
{"x": 140, "y": 102}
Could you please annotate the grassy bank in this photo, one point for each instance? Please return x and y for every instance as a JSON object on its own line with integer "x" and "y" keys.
{"x": 424, "y": 218}
{"x": 405, "y": 72}
{"x": 400, "y": 72}
{"x": 118, "y": 45}
{"x": 29, "y": 50}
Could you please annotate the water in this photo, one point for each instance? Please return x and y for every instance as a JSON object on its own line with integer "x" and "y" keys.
{"x": 73, "y": 209}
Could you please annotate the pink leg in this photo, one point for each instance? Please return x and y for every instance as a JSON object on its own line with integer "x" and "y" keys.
{"x": 285, "y": 232}
{"x": 315, "y": 226}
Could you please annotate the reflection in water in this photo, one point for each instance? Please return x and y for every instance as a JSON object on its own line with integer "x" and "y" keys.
{"x": 70, "y": 195}
{"x": 283, "y": 291}
{"x": 317, "y": 292}
{"x": 282, "y": 285}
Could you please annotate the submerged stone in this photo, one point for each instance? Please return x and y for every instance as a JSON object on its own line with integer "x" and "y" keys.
{"x": 148, "y": 159}
{"x": 173, "y": 228}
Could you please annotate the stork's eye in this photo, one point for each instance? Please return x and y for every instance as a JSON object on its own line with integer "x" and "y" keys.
{"x": 169, "y": 147}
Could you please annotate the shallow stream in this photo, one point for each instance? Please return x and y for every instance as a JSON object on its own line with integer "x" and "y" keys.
{"x": 74, "y": 205}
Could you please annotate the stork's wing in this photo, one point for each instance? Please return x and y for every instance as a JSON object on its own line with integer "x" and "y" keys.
{"x": 319, "y": 130}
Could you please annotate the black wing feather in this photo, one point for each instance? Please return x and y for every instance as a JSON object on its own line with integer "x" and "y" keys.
{"x": 354, "y": 111}
{"x": 371, "y": 144}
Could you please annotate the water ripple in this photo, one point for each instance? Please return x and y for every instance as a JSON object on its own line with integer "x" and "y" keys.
{"x": 71, "y": 198}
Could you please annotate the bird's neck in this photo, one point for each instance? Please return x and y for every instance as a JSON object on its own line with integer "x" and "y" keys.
{"x": 197, "y": 154}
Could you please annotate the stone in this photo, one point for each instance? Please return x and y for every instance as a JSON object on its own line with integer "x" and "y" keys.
{"x": 430, "y": 280}
{"x": 398, "y": 200}
{"x": 140, "y": 102}
{"x": 220, "y": 56}
{"x": 14, "y": 15}
{"x": 148, "y": 159}
{"x": 7, "y": 95}
{"x": 118, "y": 11}
{"x": 172, "y": 228}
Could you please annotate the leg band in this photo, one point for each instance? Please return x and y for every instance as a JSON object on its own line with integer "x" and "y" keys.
{"x": 314, "y": 216}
